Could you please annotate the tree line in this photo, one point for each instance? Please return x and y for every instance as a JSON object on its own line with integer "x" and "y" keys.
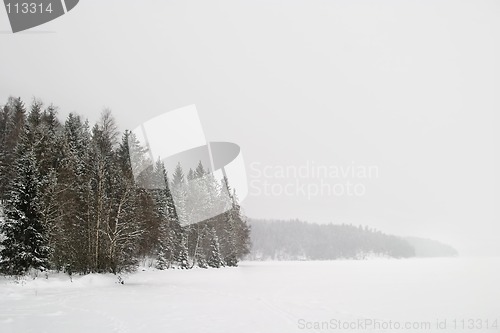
{"x": 69, "y": 200}
{"x": 297, "y": 240}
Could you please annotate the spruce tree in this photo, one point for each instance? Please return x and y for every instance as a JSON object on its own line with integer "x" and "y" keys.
{"x": 12, "y": 130}
{"x": 72, "y": 234}
{"x": 214, "y": 259}
{"x": 179, "y": 193}
{"x": 182, "y": 250}
{"x": 25, "y": 244}
{"x": 165, "y": 247}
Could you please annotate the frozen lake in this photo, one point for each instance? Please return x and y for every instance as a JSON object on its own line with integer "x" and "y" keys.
{"x": 445, "y": 295}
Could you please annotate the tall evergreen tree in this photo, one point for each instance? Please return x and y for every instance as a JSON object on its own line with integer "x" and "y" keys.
{"x": 169, "y": 231}
{"x": 12, "y": 129}
{"x": 26, "y": 240}
{"x": 72, "y": 231}
{"x": 179, "y": 193}
{"x": 214, "y": 258}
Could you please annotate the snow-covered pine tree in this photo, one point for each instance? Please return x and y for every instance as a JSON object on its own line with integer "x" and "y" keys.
{"x": 202, "y": 203}
{"x": 33, "y": 122}
{"x": 12, "y": 129}
{"x": 71, "y": 233}
{"x": 214, "y": 258}
{"x": 225, "y": 225}
{"x": 179, "y": 195}
{"x": 25, "y": 244}
{"x": 228, "y": 239}
{"x": 166, "y": 245}
{"x": 42, "y": 137}
{"x": 162, "y": 258}
{"x": 182, "y": 250}
{"x": 236, "y": 235}
{"x": 174, "y": 239}
{"x": 50, "y": 146}
{"x": 194, "y": 209}
{"x": 241, "y": 231}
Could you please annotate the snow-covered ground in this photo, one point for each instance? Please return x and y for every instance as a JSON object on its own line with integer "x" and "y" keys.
{"x": 263, "y": 297}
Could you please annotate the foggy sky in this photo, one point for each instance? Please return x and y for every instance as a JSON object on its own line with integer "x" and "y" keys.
{"x": 411, "y": 87}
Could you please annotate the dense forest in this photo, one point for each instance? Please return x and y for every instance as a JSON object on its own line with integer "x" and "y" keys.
{"x": 69, "y": 200}
{"x": 297, "y": 240}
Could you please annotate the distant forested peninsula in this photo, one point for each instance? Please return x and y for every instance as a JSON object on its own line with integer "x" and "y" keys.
{"x": 298, "y": 240}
